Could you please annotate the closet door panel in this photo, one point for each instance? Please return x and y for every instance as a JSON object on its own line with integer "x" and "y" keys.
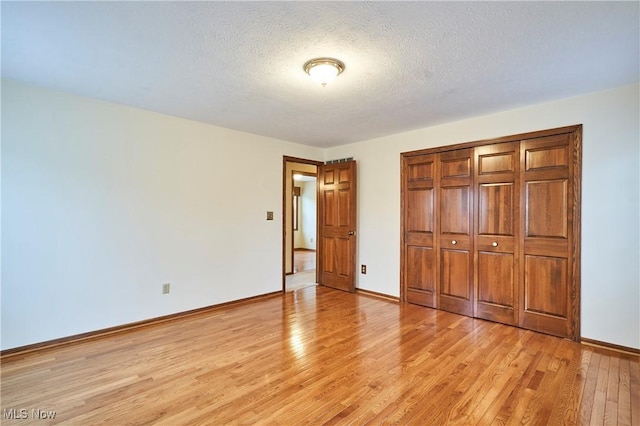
{"x": 454, "y": 275}
{"x": 547, "y": 297}
{"x": 419, "y": 210}
{"x": 496, "y": 279}
{"x": 455, "y": 210}
{"x": 420, "y": 275}
{"x": 497, "y": 232}
{"x": 455, "y": 164}
{"x": 552, "y": 152}
{"x": 546, "y": 202}
{"x": 495, "y": 208}
{"x": 455, "y": 231}
{"x": 545, "y": 281}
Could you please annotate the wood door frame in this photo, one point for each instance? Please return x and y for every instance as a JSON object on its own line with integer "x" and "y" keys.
{"x": 575, "y": 204}
{"x": 287, "y": 159}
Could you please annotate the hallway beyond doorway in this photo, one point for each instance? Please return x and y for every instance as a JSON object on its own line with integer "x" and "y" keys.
{"x": 303, "y": 260}
{"x": 304, "y": 270}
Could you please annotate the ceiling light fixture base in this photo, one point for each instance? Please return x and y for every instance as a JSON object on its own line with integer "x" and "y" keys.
{"x": 324, "y": 69}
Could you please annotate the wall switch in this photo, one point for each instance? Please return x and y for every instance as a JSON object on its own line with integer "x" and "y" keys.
{"x": 363, "y": 269}
{"x": 166, "y": 288}
{"x": 269, "y": 215}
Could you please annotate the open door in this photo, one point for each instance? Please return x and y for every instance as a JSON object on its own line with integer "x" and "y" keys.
{"x": 337, "y": 225}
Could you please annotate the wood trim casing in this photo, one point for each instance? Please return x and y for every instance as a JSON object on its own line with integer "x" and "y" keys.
{"x": 77, "y": 338}
{"x": 403, "y": 190}
{"x": 577, "y": 227}
{"x": 574, "y": 204}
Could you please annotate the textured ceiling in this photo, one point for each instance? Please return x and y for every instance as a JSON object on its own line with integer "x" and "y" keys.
{"x": 239, "y": 64}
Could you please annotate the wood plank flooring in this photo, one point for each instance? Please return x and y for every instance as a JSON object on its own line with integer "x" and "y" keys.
{"x": 303, "y": 260}
{"x": 321, "y": 356}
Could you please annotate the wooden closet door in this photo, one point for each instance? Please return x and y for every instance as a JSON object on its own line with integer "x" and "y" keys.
{"x": 419, "y": 253}
{"x": 455, "y": 232}
{"x": 497, "y": 231}
{"x": 547, "y": 218}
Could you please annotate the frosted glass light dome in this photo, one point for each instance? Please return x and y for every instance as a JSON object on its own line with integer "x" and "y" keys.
{"x": 324, "y": 70}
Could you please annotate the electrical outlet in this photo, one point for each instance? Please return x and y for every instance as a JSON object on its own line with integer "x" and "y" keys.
{"x": 311, "y": 239}
{"x": 269, "y": 215}
{"x": 363, "y": 269}
{"x": 166, "y": 288}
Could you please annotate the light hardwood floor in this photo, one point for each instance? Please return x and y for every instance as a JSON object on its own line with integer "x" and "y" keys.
{"x": 304, "y": 260}
{"x": 321, "y": 356}
{"x": 304, "y": 268}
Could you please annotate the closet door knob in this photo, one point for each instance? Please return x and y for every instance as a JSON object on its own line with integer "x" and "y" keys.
{"x": 454, "y": 242}
{"x": 495, "y": 244}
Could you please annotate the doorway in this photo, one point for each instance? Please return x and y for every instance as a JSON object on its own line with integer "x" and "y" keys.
{"x": 300, "y": 207}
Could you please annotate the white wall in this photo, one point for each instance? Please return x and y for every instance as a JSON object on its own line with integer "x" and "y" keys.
{"x": 298, "y": 235}
{"x": 610, "y": 201}
{"x": 290, "y": 169}
{"x": 308, "y": 195}
{"x": 103, "y": 203}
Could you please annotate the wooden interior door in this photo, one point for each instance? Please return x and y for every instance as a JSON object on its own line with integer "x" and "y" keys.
{"x": 547, "y": 194}
{"x": 455, "y": 233}
{"x": 497, "y": 230}
{"x": 419, "y": 252}
{"x": 337, "y": 230}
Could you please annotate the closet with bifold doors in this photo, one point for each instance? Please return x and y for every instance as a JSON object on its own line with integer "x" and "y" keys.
{"x": 491, "y": 229}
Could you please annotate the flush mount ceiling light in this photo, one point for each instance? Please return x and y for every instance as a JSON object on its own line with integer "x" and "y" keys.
{"x": 323, "y": 70}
